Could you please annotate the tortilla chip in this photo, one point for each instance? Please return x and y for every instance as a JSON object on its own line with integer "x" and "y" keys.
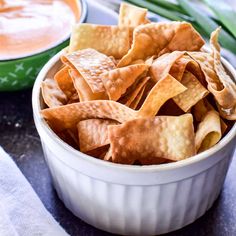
{"x": 162, "y": 65}
{"x": 93, "y": 133}
{"x": 68, "y": 116}
{"x": 133, "y": 91}
{"x": 194, "y": 93}
{"x": 164, "y": 89}
{"x": 83, "y": 89}
{"x": 65, "y": 82}
{"x": 160, "y": 137}
{"x": 118, "y": 80}
{"x": 208, "y": 131}
{"x": 90, "y": 64}
{"x": 151, "y": 39}
{"x": 52, "y": 95}
{"x": 131, "y": 15}
{"x": 226, "y": 99}
{"x": 183, "y": 63}
{"x": 137, "y": 99}
{"x": 110, "y": 40}
{"x": 187, "y": 34}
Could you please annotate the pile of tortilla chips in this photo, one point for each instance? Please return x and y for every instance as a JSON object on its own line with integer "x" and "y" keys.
{"x": 140, "y": 92}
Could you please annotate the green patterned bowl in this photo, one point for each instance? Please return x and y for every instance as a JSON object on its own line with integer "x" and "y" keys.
{"x": 20, "y": 73}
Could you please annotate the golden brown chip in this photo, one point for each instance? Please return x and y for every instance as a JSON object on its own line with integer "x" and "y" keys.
{"x": 131, "y": 15}
{"x": 84, "y": 91}
{"x": 194, "y": 93}
{"x": 52, "y": 94}
{"x": 137, "y": 99}
{"x": 90, "y": 64}
{"x": 160, "y": 137}
{"x": 226, "y": 99}
{"x": 93, "y": 133}
{"x": 151, "y": 39}
{"x": 162, "y": 65}
{"x": 208, "y": 131}
{"x": 185, "y": 38}
{"x": 183, "y": 63}
{"x": 134, "y": 91}
{"x": 65, "y": 82}
{"x": 164, "y": 89}
{"x": 110, "y": 40}
{"x": 118, "y": 80}
{"x": 202, "y": 108}
{"x": 68, "y": 116}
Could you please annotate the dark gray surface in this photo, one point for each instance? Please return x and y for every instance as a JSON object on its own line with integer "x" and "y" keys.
{"x": 20, "y": 139}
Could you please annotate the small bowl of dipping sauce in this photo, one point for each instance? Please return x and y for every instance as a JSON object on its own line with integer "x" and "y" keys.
{"x": 31, "y": 32}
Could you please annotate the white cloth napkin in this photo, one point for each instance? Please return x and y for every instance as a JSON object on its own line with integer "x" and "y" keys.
{"x": 21, "y": 211}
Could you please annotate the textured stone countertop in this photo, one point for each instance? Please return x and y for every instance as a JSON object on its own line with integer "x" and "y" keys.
{"x": 20, "y": 139}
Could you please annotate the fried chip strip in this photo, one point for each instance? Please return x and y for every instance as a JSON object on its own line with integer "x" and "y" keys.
{"x": 135, "y": 90}
{"x": 151, "y": 39}
{"x": 68, "y": 116}
{"x": 82, "y": 88}
{"x": 187, "y": 34}
{"x": 131, "y": 15}
{"x": 194, "y": 93}
{"x": 226, "y": 99}
{"x": 52, "y": 94}
{"x": 166, "y": 137}
{"x": 183, "y": 63}
{"x": 163, "y": 65}
{"x": 93, "y": 133}
{"x": 208, "y": 131}
{"x": 90, "y": 64}
{"x": 200, "y": 110}
{"x": 118, "y": 80}
{"x": 65, "y": 82}
{"x": 137, "y": 99}
{"x": 164, "y": 89}
{"x": 110, "y": 40}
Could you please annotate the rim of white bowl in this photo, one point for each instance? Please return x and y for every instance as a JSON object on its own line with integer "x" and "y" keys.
{"x": 144, "y": 168}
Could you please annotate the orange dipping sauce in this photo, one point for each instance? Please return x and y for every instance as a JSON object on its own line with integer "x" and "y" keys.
{"x": 28, "y": 27}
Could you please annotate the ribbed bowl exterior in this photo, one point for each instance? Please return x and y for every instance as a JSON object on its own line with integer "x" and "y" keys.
{"x": 137, "y": 209}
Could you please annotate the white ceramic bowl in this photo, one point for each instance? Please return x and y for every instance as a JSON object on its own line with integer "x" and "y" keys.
{"x": 137, "y": 200}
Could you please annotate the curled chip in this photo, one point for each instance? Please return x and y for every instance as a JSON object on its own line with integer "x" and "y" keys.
{"x": 110, "y": 40}
{"x": 84, "y": 91}
{"x": 165, "y": 137}
{"x": 90, "y": 64}
{"x": 151, "y": 39}
{"x": 118, "y": 80}
{"x": 209, "y": 131}
{"x": 65, "y": 82}
{"x": 52, "y": 94}
{"x": 93, "y": 133}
